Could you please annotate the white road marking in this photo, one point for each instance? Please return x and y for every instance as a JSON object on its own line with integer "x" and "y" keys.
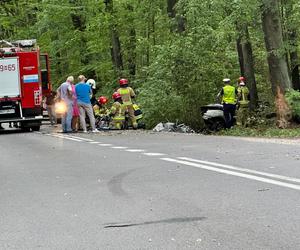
{"x": 80, "y": 138}
{"x": 281, "y": 177}
{"x": 94, "y": 142}
{"x": 58, "y": 136}
{"x": 105, "y": 145}
{"x": 66, "y": 137}
{"x": 135, "y": 150}
{"x": 228, "y": 172}
{"x": 153, "y": 154}
{"x": 119, "y": 147}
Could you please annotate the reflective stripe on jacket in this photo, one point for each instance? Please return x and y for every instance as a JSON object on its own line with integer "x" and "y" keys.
{"x": 243, "y": 93}
{"x": 126, "y": 94}
{"x": 118, "y": 111}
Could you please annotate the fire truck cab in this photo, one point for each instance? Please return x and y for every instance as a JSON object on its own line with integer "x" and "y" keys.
{"x": 24, "y": 80}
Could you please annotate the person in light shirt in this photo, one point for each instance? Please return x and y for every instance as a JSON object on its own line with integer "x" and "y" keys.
{"x": 65, "y": 94}
{"x": 83, "y": 92}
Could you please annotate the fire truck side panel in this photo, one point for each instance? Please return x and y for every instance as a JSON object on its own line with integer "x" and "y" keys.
{"x": 30, "y": 83}
{"x": 9, "y": 77}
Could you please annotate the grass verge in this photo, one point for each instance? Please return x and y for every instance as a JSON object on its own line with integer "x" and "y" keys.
{"x": 268, "y": 132}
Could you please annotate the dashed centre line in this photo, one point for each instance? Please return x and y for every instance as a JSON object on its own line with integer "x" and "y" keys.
{"x": 154, "y": 154}
{"x": 68, "y": 138}
{"x": 80, "y": 138}
{"x": 211, "y": 166}
{"x": 135, "y": 150}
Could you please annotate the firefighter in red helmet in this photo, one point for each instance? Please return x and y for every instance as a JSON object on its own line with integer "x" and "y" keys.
{"x": 100, "y": 108}
{"x": 127, "y": 94}
{"x": 117, "y": 112}
{"x": 243, "y": 102}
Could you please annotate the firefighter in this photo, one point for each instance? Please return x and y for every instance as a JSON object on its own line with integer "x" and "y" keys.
{"x": 100, "y": 108}
{"x": 229, "y": 99}
{"x": 243, "y": 101}
{"x": 117, "y": 112}
{"x": 127, "y": 94}
{"x": 92, "y": 83}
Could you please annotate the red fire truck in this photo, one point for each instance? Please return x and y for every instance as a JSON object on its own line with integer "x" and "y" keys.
{"x": 24, "y": 80}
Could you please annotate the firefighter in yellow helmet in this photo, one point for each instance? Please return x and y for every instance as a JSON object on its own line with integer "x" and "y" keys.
{"x": 243, "y": 100}
{"x": 117, "y": 112}
{"x": 127, "y": 94}
{"x": 229, "y": 100}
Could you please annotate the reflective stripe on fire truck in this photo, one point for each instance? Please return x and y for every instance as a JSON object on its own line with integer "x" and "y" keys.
{"x": 30, "y": 78}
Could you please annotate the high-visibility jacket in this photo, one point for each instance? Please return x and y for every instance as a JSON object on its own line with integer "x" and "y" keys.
{"x": 243, "y": 93}
{"x": 118, "y": 111}
{"x": 229, "y": 95}
{"x": 137, "y": 112}
{"x": 126, "y": 94}
{"x": 100, "y": 111}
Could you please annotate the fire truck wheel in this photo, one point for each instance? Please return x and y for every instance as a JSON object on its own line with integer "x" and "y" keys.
{"x": 25, "y": 129}
{"x": 35, "y": 128}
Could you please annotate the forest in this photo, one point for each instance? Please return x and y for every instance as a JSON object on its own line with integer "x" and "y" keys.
{"x": 174, "y": 52}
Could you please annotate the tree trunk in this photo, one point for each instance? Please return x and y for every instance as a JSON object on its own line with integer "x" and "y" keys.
{"x": 292, "y": 38}
{"x": 171, "y": 8}
{"x": 249, "y": 67}
{"x": 245, "y": 54}
{"x": 180, "y": 21}
{"x": 116, "y": 50}
{"x": 115, "y": 40}
{"x": 79, "y": 23}
{"x": 132, "y": 53}
{"x": 132, "y": 42}
{"x": 294, "y": 61}
{"x": 240, "y": 54}
{"x": 278, "y": 69}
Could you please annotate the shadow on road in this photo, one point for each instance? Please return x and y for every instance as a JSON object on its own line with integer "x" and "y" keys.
{"x": 166, "y": 221}
{"x": 12, "y": 131}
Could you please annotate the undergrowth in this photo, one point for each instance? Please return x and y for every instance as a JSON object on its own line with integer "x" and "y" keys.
{"x": 269, "y": 132}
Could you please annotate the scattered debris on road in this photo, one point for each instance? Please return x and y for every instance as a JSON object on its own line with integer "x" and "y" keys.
{"x": 172, "y": 127}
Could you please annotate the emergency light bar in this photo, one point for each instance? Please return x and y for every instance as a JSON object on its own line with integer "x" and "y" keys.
{"x": 6, "y": 43}
{"x": 25, "y": 43}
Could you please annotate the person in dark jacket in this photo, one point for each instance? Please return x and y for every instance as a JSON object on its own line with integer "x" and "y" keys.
{"x": 50, "y": 101}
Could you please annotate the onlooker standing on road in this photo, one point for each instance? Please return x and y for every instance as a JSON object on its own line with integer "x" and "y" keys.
{"x": 65, "y": 94}
{"x": 76, "y": 113}
{"x": 84, "y": 92}
{"x": 50, "y": 101}
{"x": 229, "y": 99}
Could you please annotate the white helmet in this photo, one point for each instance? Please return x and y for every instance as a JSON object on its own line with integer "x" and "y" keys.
{"x": 226, "y": 80}
{"x": 92, "y": 83}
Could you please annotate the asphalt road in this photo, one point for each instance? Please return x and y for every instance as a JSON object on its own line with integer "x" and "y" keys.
{"x": 140, "y": 190}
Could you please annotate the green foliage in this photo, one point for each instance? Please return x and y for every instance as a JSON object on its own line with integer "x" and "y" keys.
{"x": 175, "y": 73}
{"x": 293, "y": 99}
